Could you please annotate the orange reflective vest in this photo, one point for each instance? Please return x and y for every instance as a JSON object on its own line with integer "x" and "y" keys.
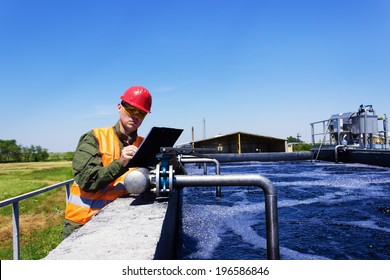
{"x": 82, "y": 205}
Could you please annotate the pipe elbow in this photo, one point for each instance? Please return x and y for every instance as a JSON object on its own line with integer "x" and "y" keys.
{"x": 266, "y": 185}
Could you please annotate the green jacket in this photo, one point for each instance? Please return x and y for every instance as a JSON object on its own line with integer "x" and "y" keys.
{"x": 88, "y": 170}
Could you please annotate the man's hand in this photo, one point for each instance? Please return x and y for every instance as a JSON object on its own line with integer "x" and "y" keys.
{"x": 127, "y": 154}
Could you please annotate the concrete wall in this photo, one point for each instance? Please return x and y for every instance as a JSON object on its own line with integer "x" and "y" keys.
{"x": 131, "y": 228}
{"x": 166, "y": 247}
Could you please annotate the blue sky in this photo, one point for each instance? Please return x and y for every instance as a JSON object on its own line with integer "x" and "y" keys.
{"x": 267, "y": 67}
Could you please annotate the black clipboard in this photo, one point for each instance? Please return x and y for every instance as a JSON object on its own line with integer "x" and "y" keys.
{"x": 158, "y": 137}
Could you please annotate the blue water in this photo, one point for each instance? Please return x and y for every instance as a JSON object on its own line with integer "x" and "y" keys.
{"x": 326, "y": 211}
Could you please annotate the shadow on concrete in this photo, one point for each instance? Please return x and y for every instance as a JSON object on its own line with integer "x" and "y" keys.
{"x": 147, "y": 198}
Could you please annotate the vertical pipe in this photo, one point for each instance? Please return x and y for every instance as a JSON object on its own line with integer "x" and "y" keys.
{"x": 218, "y": 191}
{"x": 385, "y": 131}
{"x": 271, "y": 212}
{"x": 204, "y": 128}
{"x": 365, "y": 130}
{"x": 312, "y": 134}
{"x": 339, "y": 130}
{"x": 239, "y": 143}
{"x": 193, "y": 138}
{"x": 15, "y": 230}
{"x": 270, "y": 198}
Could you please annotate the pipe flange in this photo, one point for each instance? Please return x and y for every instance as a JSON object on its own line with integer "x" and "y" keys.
{"x": 171, "y": 171}
{"x": 158, "y": 180}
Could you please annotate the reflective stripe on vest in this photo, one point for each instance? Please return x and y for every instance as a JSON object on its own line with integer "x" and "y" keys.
{"x": 82, "y": 205}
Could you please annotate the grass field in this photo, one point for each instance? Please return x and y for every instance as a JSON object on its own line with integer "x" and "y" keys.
{"x": 42, "y": 216}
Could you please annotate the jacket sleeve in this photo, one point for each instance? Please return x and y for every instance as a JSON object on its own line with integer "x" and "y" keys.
{"x": 88, "y": 169}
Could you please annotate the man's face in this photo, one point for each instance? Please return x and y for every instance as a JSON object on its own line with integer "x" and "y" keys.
{"x": 131, "y": 118}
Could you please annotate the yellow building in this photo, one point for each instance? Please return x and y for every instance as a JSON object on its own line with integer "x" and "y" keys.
{"x": 240, "y": 142}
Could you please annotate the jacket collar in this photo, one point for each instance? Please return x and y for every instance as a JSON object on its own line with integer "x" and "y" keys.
{"x": 125, "y": 139}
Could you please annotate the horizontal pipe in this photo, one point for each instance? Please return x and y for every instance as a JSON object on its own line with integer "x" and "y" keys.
{"x": 202, "y": 160}
{"x": 34, "y": 193}
{"x": 277, "y": 156}
{"x": 226, "y": 180}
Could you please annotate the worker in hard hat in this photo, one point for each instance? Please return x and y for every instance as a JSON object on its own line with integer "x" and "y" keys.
{"x": 101, "y": 157}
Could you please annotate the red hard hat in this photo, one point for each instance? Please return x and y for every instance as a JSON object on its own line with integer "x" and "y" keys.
{"x": 138, "y": 97}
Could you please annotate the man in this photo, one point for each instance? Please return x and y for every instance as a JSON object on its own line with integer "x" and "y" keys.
{"x": 101, "y": 157}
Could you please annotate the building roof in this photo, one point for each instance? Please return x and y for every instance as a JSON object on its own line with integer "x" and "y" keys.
{"x": 239, "y": 132}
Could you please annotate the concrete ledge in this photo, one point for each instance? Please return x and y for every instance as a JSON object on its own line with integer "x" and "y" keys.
{"x": 133, "y": 228}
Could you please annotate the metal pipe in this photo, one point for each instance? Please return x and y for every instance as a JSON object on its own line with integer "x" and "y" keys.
{"x": 365, "y": 130}
{"x": 336, "y": 157}
{"x": 33, "y": 193}
{"x": 239, "y": 143}
{"x": 15, "y": 230}
{"x": 312, "y": 134}
{"x": 270, "y": 195}
{"x": 202, "y": 160}
{"x": 275, "y": 156}
{"x": 385, "y": 131}
{"x": 346, "y": 148}
{"x": 218, "y": 192}
{"x": 15, "y": 211}
{"x": 67, "y": 191}
{"x": 339, "y": 128}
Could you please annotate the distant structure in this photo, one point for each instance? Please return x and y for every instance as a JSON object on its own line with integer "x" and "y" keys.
{"x": 204, "y": 128}
{"x": 240, "y": 142}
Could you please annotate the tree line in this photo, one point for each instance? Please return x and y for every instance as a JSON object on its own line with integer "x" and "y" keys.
{"x": 10, "y": 151}
{"x": 299, "y": 145}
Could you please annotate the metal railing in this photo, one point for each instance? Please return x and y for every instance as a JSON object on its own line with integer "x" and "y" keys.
{"x": 205, "y": 161}
{"x": 15, "y": 210}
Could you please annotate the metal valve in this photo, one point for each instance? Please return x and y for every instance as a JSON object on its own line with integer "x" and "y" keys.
{"x": 164, "y": 175}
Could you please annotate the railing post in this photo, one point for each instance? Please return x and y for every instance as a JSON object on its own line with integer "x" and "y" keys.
{"x": 205, "y": 161}
{"x": 67, "y": 191}
{"x": 15, "y": 230}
